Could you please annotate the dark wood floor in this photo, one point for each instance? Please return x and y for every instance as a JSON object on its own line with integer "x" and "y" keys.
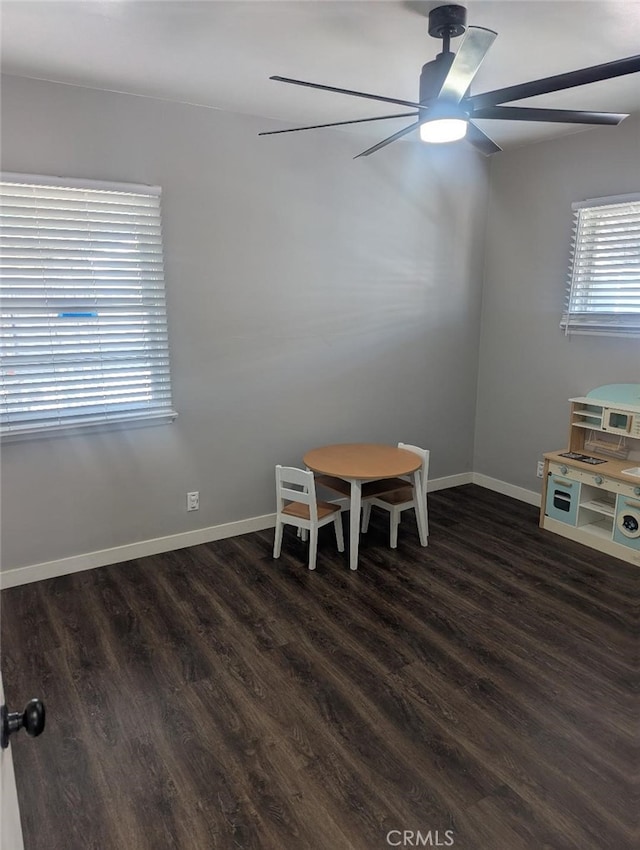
{"x": 215, "y": 698}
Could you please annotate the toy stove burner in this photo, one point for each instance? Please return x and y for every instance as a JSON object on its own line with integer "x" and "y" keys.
{"x": 583, "y": 458}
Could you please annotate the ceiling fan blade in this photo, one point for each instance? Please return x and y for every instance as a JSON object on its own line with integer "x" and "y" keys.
{"x": 562, "y": 116}
{"x": 388, "y": 141}
{"x": 594, "y": 74}
{"x": 468, "y": 59}
{"x": 340, "y": 123}
{"x": 481, "y": 141}
{"x": 347, "y": 91}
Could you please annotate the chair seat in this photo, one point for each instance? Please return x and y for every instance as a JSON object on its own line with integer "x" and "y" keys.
{"x": 397, "y": 497}
{"x": 384, "y": 487}
{"x": 302, "y": 511}
{"x": 369, "y": 488}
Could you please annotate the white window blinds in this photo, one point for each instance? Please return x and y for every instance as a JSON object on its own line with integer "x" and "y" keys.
{"x": 603, "y": 294}
{"x": 84, "y": 325}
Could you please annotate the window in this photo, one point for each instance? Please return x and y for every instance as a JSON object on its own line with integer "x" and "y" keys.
{"x": 84, "y": 325}
{"x": 603, "y": 295}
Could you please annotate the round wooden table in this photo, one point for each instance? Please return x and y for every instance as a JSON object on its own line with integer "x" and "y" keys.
{"x": 358, "y": 462}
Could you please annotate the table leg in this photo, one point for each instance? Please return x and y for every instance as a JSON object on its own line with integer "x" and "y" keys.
{"x": 354, "y": 523}
{"x": 421, "y": 507}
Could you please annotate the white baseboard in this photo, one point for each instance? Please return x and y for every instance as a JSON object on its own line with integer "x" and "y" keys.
{"x": 519, "y": 493}
{"x": 449, "y": 481}
{"x": 143, "y": 548}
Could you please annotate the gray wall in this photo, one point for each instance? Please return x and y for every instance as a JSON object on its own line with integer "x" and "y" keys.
{"x": 312, "y": 299}
{"x": 528, "y": 367}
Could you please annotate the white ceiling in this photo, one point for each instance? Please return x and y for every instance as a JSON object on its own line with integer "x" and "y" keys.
{"x": 221, "y": 54}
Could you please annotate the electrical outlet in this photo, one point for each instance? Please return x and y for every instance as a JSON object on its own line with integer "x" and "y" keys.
{"x": 193, "y": 501}
{"x": 540, "y": 469}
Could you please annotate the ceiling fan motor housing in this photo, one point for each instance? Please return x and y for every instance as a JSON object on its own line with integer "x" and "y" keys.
{"x": 433, "y": 75}
{"x": 447, "y": 21}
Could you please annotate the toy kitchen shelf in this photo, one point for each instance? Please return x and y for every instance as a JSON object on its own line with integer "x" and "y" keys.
{"x": 591, "y": 491}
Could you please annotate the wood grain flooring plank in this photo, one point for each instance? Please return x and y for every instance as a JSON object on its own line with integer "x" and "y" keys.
{"x": 517, "y": 761}
{"x": 493, "y": 639}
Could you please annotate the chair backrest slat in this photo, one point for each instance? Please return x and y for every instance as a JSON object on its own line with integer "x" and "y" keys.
{"x": 295, "y": 495}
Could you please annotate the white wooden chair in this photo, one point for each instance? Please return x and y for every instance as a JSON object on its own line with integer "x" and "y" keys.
{"x": 301, "y": 508}
{"x": 400, "y": 499}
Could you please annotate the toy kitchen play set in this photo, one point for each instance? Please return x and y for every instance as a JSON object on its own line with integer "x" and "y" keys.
{"x": 592, "y": 491}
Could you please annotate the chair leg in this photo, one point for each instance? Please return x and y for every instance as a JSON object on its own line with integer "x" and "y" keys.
{"x": 277, "y": 543}
{"x": 337, "y": 521}
{"x": 366, "y": 514}
{"x": 394, "y": 522}
{"x": 303, "y": 535}
{"x": 420, "y": 508}
{"x": 313, "y": 546}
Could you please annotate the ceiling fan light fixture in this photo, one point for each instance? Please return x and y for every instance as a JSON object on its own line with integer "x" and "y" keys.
{"x": 440, "y": 130}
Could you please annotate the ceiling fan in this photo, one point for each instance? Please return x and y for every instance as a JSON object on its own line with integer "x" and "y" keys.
{"x": 446, "y": 110}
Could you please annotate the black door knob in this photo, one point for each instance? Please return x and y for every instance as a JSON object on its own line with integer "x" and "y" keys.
{"x": 32, "y": 719}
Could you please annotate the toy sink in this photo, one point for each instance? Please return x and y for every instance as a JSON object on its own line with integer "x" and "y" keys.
{"x": 635, "y": 470}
